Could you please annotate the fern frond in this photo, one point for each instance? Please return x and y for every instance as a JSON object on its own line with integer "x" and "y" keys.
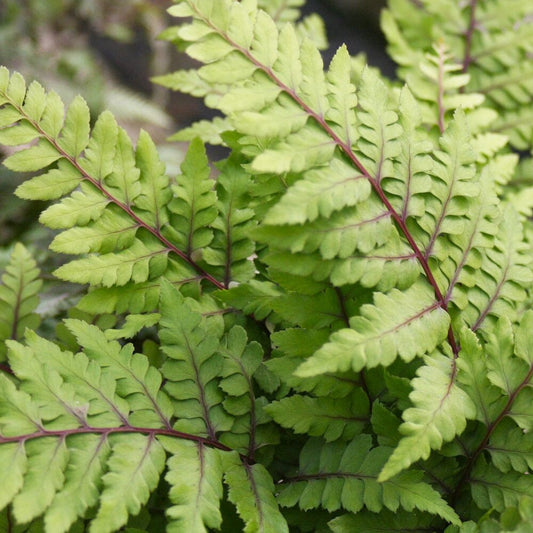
{"x": 336, "y": 476}
{"x": 195, "y": 477}
{"x": 488, "y": 42}
{"x": 439, "y": 413}
{"x": 91, "y": 427}
{"x": 493, "y": 489}
{"x": 330, "y": 418}
{"x": 505, "y": 269}
{"x": 383, "y": 331}
{"x": 231, "y": 251}
{"x": 251, "y": 490}
{"x": 193, "y": 365}
{"x": 193, "y": 206}
{"x": 114, "y": 199}
{"x": 18, "y": 297}
{"x": 440, "y": 84}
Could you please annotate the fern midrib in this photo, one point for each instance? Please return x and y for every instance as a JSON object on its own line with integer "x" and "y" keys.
{"x": 462, "y": 262}
{"x": 467, "y": 58}
{"x": 153, "y": 432}
{"x": 148, "y": 394}
{"x": 203, "y": 401}
{"x": 346, "y": 149}
{"x": 257, "y": 497}
{"x": 492, "y": 299}
{"x": 18, "y": 303}
{"x": 126, "y": 208}
{"x": 229, "y": 244}
{"x": 440, "y": 88}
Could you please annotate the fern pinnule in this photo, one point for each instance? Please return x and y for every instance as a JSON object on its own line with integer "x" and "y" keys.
{"x": 19, "y": 298}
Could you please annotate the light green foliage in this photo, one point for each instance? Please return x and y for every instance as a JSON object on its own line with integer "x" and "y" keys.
{"x": 195, "y": 477}
{"x": 329, "y": 330}
{"x": 383, "y": 331}
{"x": 19, "y": 291}
{"x": 491, "y": 48}
{"x": 252, "y": 491}
{"x": 438, "y": 414}
{"x": 332, "y": 418}
{"x": 193, "y": 204}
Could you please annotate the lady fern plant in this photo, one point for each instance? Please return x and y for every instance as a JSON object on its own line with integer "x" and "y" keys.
{"x": 334, "y": 334}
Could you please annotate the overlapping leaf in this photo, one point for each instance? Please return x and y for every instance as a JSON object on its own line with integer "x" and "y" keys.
{"x": 18, "y": 296}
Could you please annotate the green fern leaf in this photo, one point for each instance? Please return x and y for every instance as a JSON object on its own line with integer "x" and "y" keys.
{"x": 80, "y": 207}
{"x": 143, "y": 386}
{"x": 34, "y": 158}
{"x": 337, "y": 475}
{"x": 251, "y": 490}
{"x": 109, "y": 232}
{"x": 232, "y": 249}
{"x": 132, "y": 325}
{"x": 210, "y": 131}
{"x": 54, "y": 184}
{"x": 510, "y": 448}
{"x": 407, "y": 323}
{"x": 472, "y": 375}
{"x": 100, "y": 152}
{"x": 296, "y": 344}
{"x": 503, "y": 369}
{"x": 439, "y": 413}
{"x": 195, "y": 477}
{"x": 320, "y": 194}
{"x": 135, "y": 465}
{"x": 18, "y": 296}
{"x": 339, "y": 418}
{"x": 505, "y": 269}
{"x": 75, "y": 134}
{"x": 453, "y": 188}
{"x": 241, "y": 361}
{"x": 193, "y": 205}
{"x": 155, "y": 191}
{"x": 138, "y": 263}
{"x": 493, "y": 489}
{"x": 12, "y": 477}
{"x": 493, "y": 54}
{"x": 44, "y": 476}
{"x": 438, "y": 84}
{"x": 123, "y": 181}
{"x": 192, "y": 367}
{"x": 87, "y": 457}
